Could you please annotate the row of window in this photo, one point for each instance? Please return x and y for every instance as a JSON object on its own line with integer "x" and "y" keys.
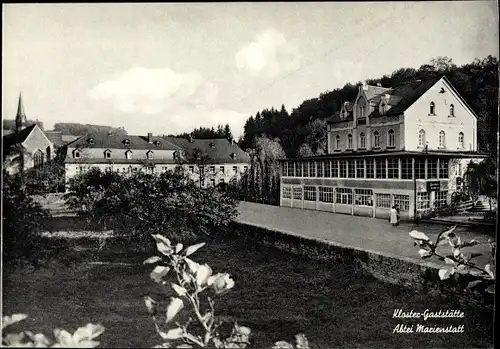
{"x": 441, "y": 139}
{"x": 391, "y": 140}
{"x": 424, "y": 199}
{"x": 152, "y": 169}
{"x": 383, "y": 168}
{"x": 360, "y": 197}
{"x": 432, "y": 109}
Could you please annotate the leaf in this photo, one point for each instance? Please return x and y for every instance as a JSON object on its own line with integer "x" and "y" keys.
{"x": 152, "y": 260}
{"x": 475, "y": 254}
{"x": 419, "y": 235}
{"x": 176, "y": 304}
{"x": 9, "y": 320}
{"x": 473, "y": 284}
{"x": 490, "y": 270}
{"x": 159, "y": 272}
{"x": 424, "y": 253}
{"x": 282, "y": 345}
{"x": 181, "y": 291}
{"x": 87, "y": 332}
{"x": 445, "y": 274}
{"x": 178, "y": 248}
{"x": 449, "y": 261}
{"x": 175, "y": 333}
{"x": 193, "y": 266}
{"x": 302, "y": 342}
{"x": 491, "y": 289}
{"x": 151, "y": 305}
{"x": 193, "y": 248}
{"x": 163, "y": 244}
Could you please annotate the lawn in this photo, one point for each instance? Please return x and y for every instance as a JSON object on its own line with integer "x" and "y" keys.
{"x": 277, "y": 295}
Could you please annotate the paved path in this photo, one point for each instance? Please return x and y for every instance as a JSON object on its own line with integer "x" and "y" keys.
{"x": 376, "y": 235}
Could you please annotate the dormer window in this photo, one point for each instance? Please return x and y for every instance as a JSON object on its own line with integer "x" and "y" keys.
{"x": 76, "y": 154}
{"x": 128, "y": 154}
{"x": 211, "y": 145}
{"x": 432, "y": 109}
{"x": 233, "y": 156}
{"x": 107, "y": 154}
{"x": 91, "y": 140}
{"x": 452, "y": 110}
{"x": 157, "y": 143}
{"x": 150, "y": 155}
{"x": 126, "y": 141}
{"x": 176, "y": 155}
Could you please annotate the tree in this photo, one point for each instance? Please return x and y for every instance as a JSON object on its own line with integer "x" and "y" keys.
{"x": 10, "y": 124}
{"x": 305, "y": 151}
{"x": 78, "y": 129}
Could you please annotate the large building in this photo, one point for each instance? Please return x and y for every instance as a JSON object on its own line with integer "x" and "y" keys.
{"x": 220, "y": 160}
{"x": 407, "y": 146}
{"x": 27, "y": 146}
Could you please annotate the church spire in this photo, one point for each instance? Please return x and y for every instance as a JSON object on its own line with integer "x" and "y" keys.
{"x": 20, "y": 116}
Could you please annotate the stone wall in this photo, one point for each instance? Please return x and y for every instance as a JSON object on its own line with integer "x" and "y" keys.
{"x": 420, "y": 275}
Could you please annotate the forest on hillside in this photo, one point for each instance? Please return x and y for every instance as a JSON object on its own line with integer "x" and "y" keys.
{"x": 302, "y": 132}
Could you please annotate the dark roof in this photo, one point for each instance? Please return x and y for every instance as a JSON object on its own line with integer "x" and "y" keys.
{"x": 371, "y": 153}
{"x": 55, "y": 137}
{"x": 406, "y": 95}
{"x": 156, "y": 161}
{"x": 220, "y": 152}
{"x": 17, "y": 137}
{"x": 104, "y": 140}
{"x": 336, "y": 117}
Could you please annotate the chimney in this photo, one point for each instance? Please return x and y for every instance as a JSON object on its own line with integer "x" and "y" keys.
{"x": 365, "y": 86}
{"x": 150, "y": 137}
{"x": 190, "y": 138}
{"x": 110, "y": 133}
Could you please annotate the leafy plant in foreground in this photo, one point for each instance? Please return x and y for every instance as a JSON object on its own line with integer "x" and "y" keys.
{"x": 458, "y": 260}
{"x": 196, "y": 288}
{"x": 82, "y": 338}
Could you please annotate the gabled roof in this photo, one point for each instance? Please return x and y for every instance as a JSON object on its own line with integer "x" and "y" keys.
{"x": 55, "y": 137}
{"x": 219, "y": 153}
{"x": 17, "y": 137}
{"x": 372, "y": 91}
{"x": 106, "y": 141}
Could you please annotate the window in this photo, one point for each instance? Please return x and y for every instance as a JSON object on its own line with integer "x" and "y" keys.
{"x": 107, "y": 154}
{"x": 406, "y": 169}
{"x": 370, "y": 169}
{"x": 376, "y": 139}
{"x": 245, "y": 168}
{"x": 202, "y": 171}
{"x": 298, "y": 169}
{"x": 149, "y": 155}
{"x": 343, "y": 196}
{"x": 351, "y": 171}
{"x": 432, "y": 169}
{"x": 38, "y": 158}
{"x": 380, "y": 168}
{"x": 423, "y": 201}
{"x": 319, "y": 166}
{"x": 440, "y": 199}
{"x": 221, "y": 180}
{"x": 326, "y": 194}
{"x": 222, "y": 169}
{"x": 421, "y": 138}
{"x": 157, "y": 143}
{"x": 191, "y": 169}
{"x": 362, "y": 111}
{"x": 441, "y": 140}
{"x": 420, "y": 168}
{"x": 287, "y": 192}
{"x": 432, "y": 108}
{"x": 383, "y": 200}
{"x": 461, "y": 140}
{"x": 306, "y": 168}
{"x": 349, "y": 141}
{"x": 360, "y": 168}
{"x": 297, "y": 193}
{"x": 391, "y": 138}
{"x": 212, "y": 169}
{"x": 335, "y": 168}
{"x": 312, "y": 169}
{"x": 363, "y": 197}
{"x": 202, "y": 182}
{"x": 443, "y": 168}
{"x": 212, "y": 182}
{"x": 309, "y": 193}
{"x": 403, "y": 202}
{"x": 76, "y": 154}
{"x": 328, "y": 168}
{"x": 128, "y": 154}
{"x": 452, "y": 110}
{"x": 48, "y": 151}
{"x": 362, "y": 141}
{"x": 235, "y": 169}
{"x": 392, "y": 168}
{"x": 126, "y": 142}
{"x": 342, "y": 168}
{"x": 337, "y": 142}
{"x": 91, "y": 141}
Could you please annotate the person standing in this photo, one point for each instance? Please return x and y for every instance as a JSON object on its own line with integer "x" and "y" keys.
{"x": 394, "y": 216}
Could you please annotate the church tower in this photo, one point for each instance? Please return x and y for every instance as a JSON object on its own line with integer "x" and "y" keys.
{"x": 21, "y": 115}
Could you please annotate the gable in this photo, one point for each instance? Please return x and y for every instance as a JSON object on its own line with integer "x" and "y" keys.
{"x": 36, "y": 139}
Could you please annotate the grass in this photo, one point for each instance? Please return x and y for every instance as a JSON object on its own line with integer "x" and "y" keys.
{"x": 277, "y": 295}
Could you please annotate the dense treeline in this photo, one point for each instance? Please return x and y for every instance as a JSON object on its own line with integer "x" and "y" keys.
{"x": 77, "y": 129}
{"x": 302, "y": 132}
{"x": 207, "y": 132}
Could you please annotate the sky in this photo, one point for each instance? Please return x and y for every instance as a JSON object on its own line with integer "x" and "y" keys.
{"x": 168, "y": 68}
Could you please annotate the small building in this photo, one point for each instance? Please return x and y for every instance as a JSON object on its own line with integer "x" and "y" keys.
{"x": 27, "y": 146}
{"x": 407, "y": 146}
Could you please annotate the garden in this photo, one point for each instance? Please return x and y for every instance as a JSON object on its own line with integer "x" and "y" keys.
{"x": 156, "y": 270}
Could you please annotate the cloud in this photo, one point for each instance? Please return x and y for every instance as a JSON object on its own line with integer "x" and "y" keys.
{"x": 269, "y": 54}
{"x": 152, "y": 91}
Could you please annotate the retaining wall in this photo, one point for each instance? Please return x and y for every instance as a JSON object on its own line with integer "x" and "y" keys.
{"x": 421, "y": 275}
